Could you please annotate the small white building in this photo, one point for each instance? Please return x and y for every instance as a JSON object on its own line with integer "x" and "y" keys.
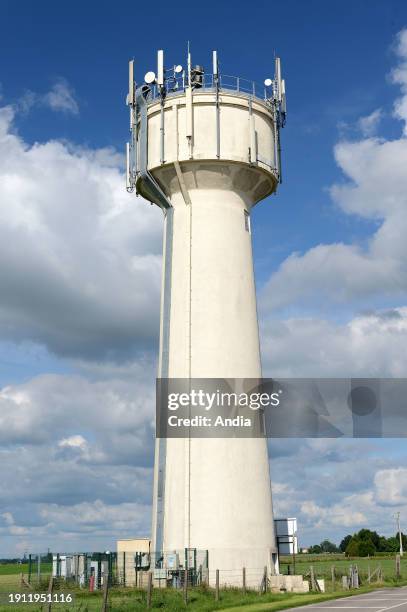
{"x": 286, "y": 535}
{"x": 126, "y": 558}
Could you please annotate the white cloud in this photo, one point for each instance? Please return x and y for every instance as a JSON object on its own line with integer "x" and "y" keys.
{"x": 375, "y": 189}
{"x": 72, "y": 490}
{"x": 399, "y": 76}
{"x": 60, "y": 98}
{"x": 348, "y": 513}
{"x": 369, "y": 124}
{"x": 77, "y": 441}
{"x": 51, "y": 408}
{"x": 391, "y": 486}
{"x": 371, "y": 344}
{"x": 81, "y": 257}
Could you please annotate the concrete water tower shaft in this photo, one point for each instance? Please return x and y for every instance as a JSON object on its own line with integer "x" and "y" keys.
{"x": 205, "y": 149}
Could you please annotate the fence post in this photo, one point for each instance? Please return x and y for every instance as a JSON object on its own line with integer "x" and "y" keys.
{"x": 39, "y": 569}
{"x": 124, "y": 569}
{"x": 217, "y": 586}
{"x": 345, "y": 582}
{"x": 185, "y": 586}
{"x": 333, "y": 577}
{"x": 149, "y": 589}
{"x": 398, "y": 573}
{"x": 311, "y": 570}
{"x": 265, "y": 578}
{"x": 105, "y": 591}
{"x": 244, "y": 579}
{"x": 368, "y": 573}
{"x": 50, "y": 588}
{"x": 356, "y": 575}
{"x": 29, "y": 568}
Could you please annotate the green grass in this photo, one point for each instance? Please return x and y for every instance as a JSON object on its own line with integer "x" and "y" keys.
{"x": 8, "y": 569}
{"x": 200, "y": 600}
{"x": 322, "y": 565}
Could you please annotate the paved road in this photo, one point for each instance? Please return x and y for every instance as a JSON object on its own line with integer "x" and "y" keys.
{"x": 377, "y": 601}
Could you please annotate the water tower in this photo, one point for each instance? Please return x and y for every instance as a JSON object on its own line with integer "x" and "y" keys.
{"x": 205, "y": 148}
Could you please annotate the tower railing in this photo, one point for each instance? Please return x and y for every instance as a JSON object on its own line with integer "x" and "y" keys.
{"x": 175, "y": 85}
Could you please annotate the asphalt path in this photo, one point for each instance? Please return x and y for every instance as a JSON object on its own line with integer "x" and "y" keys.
{"x": 376, "y": 601}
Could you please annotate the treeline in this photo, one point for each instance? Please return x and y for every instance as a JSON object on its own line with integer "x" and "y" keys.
{"x": 364, "y": 543}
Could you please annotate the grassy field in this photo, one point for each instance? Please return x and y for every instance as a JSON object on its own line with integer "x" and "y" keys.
{"x": 322, "y": 565}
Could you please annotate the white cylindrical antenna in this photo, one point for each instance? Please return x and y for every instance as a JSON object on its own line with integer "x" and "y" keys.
{"x": 128, "y": 182}
{"x": 160, "y": 67}
{"x": 189, "y": 66}
{"x": 278, "y": 77}
{"x": 283, "y": 98}
{"x": 130, "y": 99}
{"x": 215, "y": 63}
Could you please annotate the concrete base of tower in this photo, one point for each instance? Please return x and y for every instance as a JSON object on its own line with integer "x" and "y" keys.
{"x": 233, "y": 564}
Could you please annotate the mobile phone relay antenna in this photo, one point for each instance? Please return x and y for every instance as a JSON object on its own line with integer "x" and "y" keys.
{"x": 205, "y": 147}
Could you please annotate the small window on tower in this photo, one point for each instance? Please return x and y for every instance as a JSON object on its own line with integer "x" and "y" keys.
{"x": 247, "y": 221}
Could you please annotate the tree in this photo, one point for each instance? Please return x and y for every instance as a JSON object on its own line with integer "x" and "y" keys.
{"x": 403, "y": 538}
{"x": 393, "y": 545}
{"x": 343, "y": 545}
{"x": 315, "y": 550}
{"x": 365, "y": 535}
{"x": 352, "y": 549}
{"x": 366, "y": 548}
{"x": 328, "y": 547}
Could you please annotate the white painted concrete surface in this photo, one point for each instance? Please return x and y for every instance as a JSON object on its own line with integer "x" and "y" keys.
{"x": 215, "y": 493}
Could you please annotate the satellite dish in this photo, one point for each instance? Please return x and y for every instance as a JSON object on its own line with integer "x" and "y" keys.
{"x": 178, "y": 69}
{"x": 149, "y": 77}
{"x": 268, "y": 82}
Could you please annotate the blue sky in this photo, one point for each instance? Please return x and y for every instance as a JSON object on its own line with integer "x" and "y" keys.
{"x": 335, "y": 58}
{"x": 81, "y": 258}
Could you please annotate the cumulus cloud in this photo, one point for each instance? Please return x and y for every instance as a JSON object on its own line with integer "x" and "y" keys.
{"x": 336, "y": 487}
{"x": 76, "y": 459}
{"x": 60, "y": 98}
{"x": 369, "y": 124}
{"x": 369, "y": 344}
{"x": 399, "y": 77}
{"x": 81, "y": 276}
{"x": 79, "y": 417}
{"x": 70, "y": 528}
{"x": 375, "y": 189}
{"x": 343, "y": 514}
{"x": 81, "y": 258}
{"x": 82, "y": 267}
{"x": 391, "y": 486}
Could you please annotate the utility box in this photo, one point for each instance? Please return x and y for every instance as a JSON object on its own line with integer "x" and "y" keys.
{"x": 172, "y": 561}
{"x": 62, "y": 566}
{"x": 286, "y": 535}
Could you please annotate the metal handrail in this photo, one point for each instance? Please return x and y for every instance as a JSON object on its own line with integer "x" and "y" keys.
{"x": 177, "y": 84}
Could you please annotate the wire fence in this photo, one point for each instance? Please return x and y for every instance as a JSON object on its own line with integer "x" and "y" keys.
{"x": 145, "y": 576}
